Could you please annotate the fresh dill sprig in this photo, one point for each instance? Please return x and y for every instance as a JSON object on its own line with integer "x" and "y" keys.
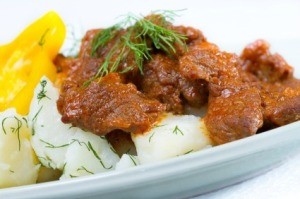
{"x": 49, "y": 145}
{"x": 34, "y": 120}
{"x": 14, "y": 129}
{"x": 25, "y": 120}
{"x": 88, "y": 145}
{"x": 82, "y": 168}
{"x": 48, "y": 160}
{"x": 143, "y": 35}
{"x": 42, "y": 93}
{"x": 151, "y": 136}
{"x": 190, "y": 151}
{"x": 177, "y": 130}
{"x": 132, "y": 159}
{"x": 42, "y": 40}
{"x": 17, "y": 130}
{"x": 81, "y": 143}
{"x": 103, "y": 38}
{"x": 97, "y": 156}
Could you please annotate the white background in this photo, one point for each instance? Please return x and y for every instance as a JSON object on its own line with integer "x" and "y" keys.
{"x": 231, "y": 24}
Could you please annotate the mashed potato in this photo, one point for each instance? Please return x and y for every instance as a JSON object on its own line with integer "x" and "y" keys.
{"x": 175, "y": 135}
{"x": 18, "y": 164}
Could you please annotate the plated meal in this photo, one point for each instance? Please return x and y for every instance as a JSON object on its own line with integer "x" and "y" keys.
{"x": 138, "y": 92}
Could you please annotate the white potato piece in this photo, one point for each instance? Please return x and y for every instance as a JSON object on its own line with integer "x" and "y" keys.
{"x": 127, "y": 161}
{"x": 50, "y": 136}
{"x": 89, "y": 154}
{"x": 173, "y": 136}
{"x": 18, "y": 164}
{"x": 61, "y": 146}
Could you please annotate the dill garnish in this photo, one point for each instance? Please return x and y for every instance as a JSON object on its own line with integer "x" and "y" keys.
{"x": 188, "y": 152}
{"x": 49, "y": 145}
{"x": 17, "y": 130}
{"x": 2, "y": 124}
{"x": 151, "y": 136}
{"x": 81, "y": 143}
{"x": 132, "y": 159}
{"x": 88, "y": 146}
{"x": 13, "y": 129}
{"x": 97, "y": 156}
{"x": 25, "y": 120}
{"x": 42, "y": 41}
{"x": 82, "y": 168}
{"x": 102, "y": 39}
{"x": 157, "y": 126}
{"x": 142, "y": 36}
{"x": 177, "y": 130}
{"x": 34, "y": 120}
{"x": 48, "y": 160}
{"x": 42, "y": 93}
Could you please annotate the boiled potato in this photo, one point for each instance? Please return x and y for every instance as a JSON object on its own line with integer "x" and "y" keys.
{"x": 50, "y": 137}
{"x": 89, "y": 154}
{"x": 127, "y": 161}
{"x": 175, "y": 135}
{"x": 61, "y": 146}
{"x": 18, "y": 164}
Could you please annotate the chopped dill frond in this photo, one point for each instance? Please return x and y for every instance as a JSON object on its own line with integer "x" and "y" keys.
{"x": 177, "y": 131}
{"x": 42, "y": 40}
{"x": 42, "y": 93}
{"x": 143, "y": 35}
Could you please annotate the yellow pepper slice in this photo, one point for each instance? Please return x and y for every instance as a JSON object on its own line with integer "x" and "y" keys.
{"x": 29, "y": 57}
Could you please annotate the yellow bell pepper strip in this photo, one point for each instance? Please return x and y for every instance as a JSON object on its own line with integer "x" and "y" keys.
{"x": 26, "y": 59}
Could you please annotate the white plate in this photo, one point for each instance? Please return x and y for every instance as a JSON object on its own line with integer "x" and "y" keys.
{"x": 231, "y": 25}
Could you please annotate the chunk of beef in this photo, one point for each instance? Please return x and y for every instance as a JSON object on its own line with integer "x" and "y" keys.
{"x": 107, "y": 105}
{"x": 280, "y": 92}
{"x": 162, "y": 81}
{"x": 234, "y": 108}
{"x": 281, "y": 102}
{"x": 235, "y": 116}
{"x": 268, "y": 67}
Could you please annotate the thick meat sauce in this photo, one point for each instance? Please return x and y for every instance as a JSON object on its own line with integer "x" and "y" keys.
{"x": 244, "y": 93}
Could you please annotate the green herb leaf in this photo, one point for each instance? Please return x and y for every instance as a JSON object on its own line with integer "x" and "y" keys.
{"x": 14, "y": 129}
{"x": 42, "y": 41}
{"x": 177, "y": 130}
{"x": 142, "y": 34}
{"x": 42, "y": 93}
{"x": 82, "y": 168}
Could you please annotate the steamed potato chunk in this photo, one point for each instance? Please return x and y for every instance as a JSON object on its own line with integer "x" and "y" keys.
{"x": 127, "y": 161}
{"x": 18, "y": 164}
{"x": 50, "y": 136}
{"x": 89, "y": 154}
{"x": 62, "y": 146}
{"x": 175, "y": 135}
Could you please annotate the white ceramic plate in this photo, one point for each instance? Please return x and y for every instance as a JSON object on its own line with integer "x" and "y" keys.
{"x": 231, "y": 25}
